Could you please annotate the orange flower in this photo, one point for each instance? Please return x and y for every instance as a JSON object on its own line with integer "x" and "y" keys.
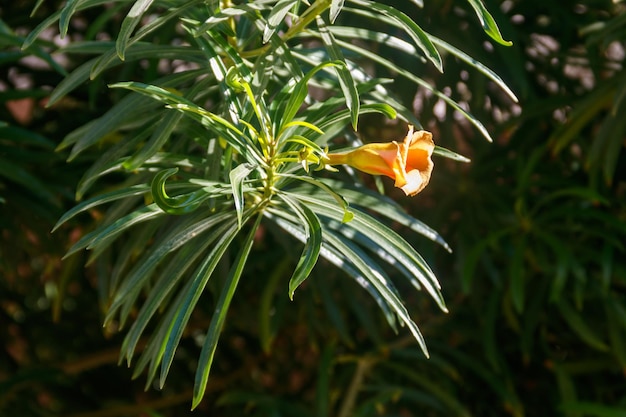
{"x": 408, "y": 163}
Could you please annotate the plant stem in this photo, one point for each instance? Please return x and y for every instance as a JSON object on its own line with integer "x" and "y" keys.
{"x": 363, "y": 367}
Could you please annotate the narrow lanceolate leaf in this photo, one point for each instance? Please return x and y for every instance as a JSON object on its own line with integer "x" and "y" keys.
{"x": 420, "y": 37}
{"x": 189, "y": 297}
{"x": 300, "y": 91}
{"x": 131, "y": 21}
{"x": 237, "y": 177}
{"x": 69, "y": 83}
{"x": 341, "y": 201}
{"x": 66, "y": 14}
{"x": 276, "y": 17}
{"x": 389, "y": 241}
{"x": 291, "y": 225}
{"x": 232, "y": 12}
{"x": 129, "y": 109}
{"x": 104, "y": 235}
{"x": 335, "y": 9}
{"x": 376, "y": 277}
{"x": 177, "y": 205}
{"x": 370, "y": 200}
{"x": 135, "y": 279}
{"x": 580, "y": 327}
{"x": 217, "y": 124}
{"x": 489, "y": 73}
{"x": 488, "y": 23}
{"x": 409, "y": 49}
{"x": 347, "y": 83}
{"x": 24, "y": 178}
{"x": 49, "y": 21}
{"x": 36, "y": 7}
{"x": 312, "y": 245}
{"x": 409, "y": 75}
{"x": 219, "y": 317}
{"x": 447, "y": 153}
{"x": 135, "y": 190}
{"x": 160, "y": 136}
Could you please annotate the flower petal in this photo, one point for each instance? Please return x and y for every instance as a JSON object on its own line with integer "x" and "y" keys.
{"x": 408, "y": 163}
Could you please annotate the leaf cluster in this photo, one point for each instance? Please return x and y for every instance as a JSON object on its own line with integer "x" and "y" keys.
{"x": 220, "y": 148}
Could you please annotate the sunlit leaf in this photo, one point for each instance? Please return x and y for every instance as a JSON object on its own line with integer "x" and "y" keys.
{"x": 312, "y": 246}
{"x": 129, "y": 24}
{"x": 219, "y": 317}
{"x": 237, "y": 177}
{"x": 276, "y": 17}
{"x": 347, "y": 83}
{"x": 488, "y": 23}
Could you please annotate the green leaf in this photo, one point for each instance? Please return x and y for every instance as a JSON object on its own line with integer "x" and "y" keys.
{"x": 36, "y": 7}
{"x": 129, "y": 24}
{"x": 20, "y": 175}
{"x": 291, "y": 225}
{"x": 111, "y": 160}
{"x": 335, "y": 9}
{"x": 160, "y": 136}
{"x": 347, "y": 83}
{"x": 347, "y": 213}
{"x": 416, "y": 33}
{"x": 504, "y": 392}
{"x": 104, "y": 235}
{"x": 578, "y": 325}
{"x": 387, "y": 240}
{"x": 385, "y": 206}
{"x": 132, "y": 191}
{"x": 488, "y": 23}
{"x": 312, "y": 246}
{"x": 447, "y": 153}
{"x": 185, "y": 232}
{"x": 434, "y": 388}
{"x": 267, "y": 316}
{"x": 34, "y": 34}
{"x": 66, "y": 13}
{"x": 70, "y": 82}
{"x": 170, "y": 276}
{"x": 219, "y": 316}
{"x": 377, "y": 278}
{"x": 144, "y": 50}
{"x": 422, "y": 83}
{"x": 189, "y": 296}
{"x": 216, "y": 123}
{"x": 489, "y": 73}
{"x": 177, "y": 205}
{"x": 276, "y": 17}
{"x": 616, "y": 332}
{"x": 607, "y": 144}
{"x": 590, "y": 409}
{"x": 237, "y": 177}
{"x": 233, "y": 12}
{"x": 130, "y": 109}
{"x": 300, "y": 92}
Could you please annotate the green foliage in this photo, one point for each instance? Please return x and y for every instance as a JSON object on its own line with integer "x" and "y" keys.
{"x": 196, "y": 133}
{"x": 226, "y": 144}
{"x": 540, "y": 249}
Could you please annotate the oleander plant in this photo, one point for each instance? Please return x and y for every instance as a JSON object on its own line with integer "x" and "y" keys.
{"x": 302, "y": 182}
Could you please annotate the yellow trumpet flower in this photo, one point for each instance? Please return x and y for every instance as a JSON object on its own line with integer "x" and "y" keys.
{"x": 408, "y": 163}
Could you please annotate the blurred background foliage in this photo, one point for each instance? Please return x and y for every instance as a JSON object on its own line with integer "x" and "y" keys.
{"x": 536, "y": 285}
